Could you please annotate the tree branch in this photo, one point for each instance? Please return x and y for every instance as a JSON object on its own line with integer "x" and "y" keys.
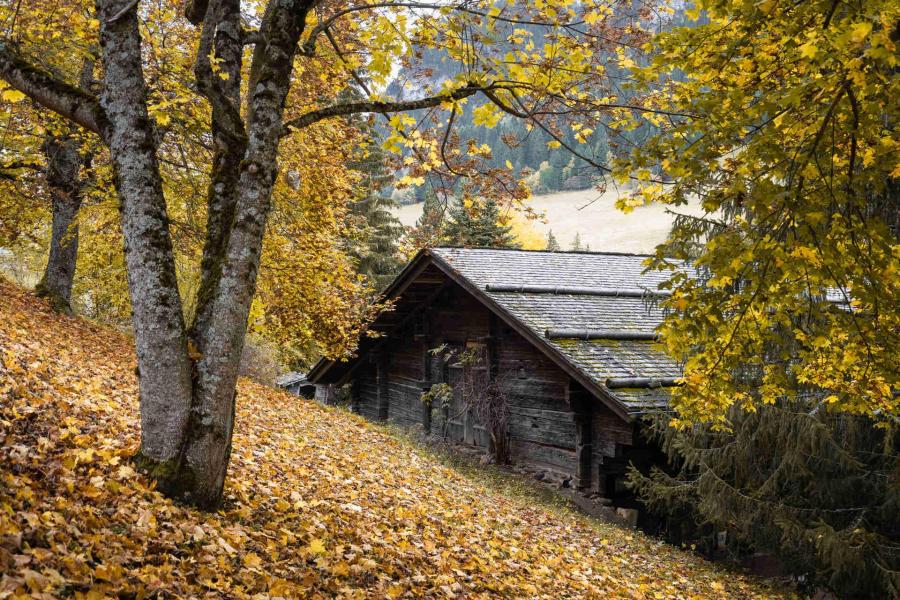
{"x": 226, "y": 114}
{"x": 377, "y": 106}
{"x": 68, "y": 101}
{"x": 309, "y": 46}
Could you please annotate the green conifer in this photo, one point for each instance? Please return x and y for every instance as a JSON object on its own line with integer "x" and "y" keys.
{"x": 375, "y": 246}
{"x": 552, "y": 244}
{"x": 577, "y": 245}
{"x": 478, "y": 225}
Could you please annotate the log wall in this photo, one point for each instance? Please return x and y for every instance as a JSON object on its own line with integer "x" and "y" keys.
{"x": 548, "y": 429}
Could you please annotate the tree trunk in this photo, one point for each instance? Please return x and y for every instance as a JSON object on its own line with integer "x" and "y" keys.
{"x": 222, "y": 338}
{"x": 164, "y": 367}
{"x": 187, "y": 390}
{"x": 207, "y": 449}
{"x": 63, "y": 165}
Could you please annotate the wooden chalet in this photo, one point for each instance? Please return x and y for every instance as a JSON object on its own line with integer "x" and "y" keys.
{"x": 568, "y": 337}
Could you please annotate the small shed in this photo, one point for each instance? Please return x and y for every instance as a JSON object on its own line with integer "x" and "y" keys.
{"x": 564, "y": 342}
{"x": 297, "y": 384}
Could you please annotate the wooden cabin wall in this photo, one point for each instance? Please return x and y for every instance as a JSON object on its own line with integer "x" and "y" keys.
{"x": 542, "y": 420}
{"x": 406, "y": 372}
{"x": 610, "y": 432}
{"x": 541, "y": 427}
{"x": 364, "y": 390}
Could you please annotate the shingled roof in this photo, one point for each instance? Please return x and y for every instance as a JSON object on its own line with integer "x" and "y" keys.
{"x": 593, "y": 313}
{"x": 592, "y": 292}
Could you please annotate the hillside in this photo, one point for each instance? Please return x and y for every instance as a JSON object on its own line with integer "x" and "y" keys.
{"x": 319, "y": 503}
{"x": 594, "y": 217}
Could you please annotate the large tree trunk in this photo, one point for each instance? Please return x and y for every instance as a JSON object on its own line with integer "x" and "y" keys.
{"x": 164, "y": 367}
{"x": 221, "y": 339}
{"x": 187, "y": 388}
{"x": 207, "y": 448}
{"x": 63, "y": 166}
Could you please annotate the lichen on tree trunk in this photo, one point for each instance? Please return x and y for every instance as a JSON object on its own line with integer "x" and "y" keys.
{"x": 221, "y": 329}
{"x": 63, "y": 166}
{"x": 160, "y": 339}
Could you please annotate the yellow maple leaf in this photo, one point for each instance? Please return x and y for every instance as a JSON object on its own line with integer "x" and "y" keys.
{"x": 809, "y": 49}
{"x": 860, "y": 31}
{"x": 316, "y": 546}
{"x": 252, "y": 560}
{"x": 12, "y": 95}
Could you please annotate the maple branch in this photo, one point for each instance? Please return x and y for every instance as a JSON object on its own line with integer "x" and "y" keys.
{"x": 225, "y": 112}
{"x": 122, "y": 12}
{"x": 378, "y": 106}
{"x": 5, "y": 169}
{"x": 66, "y": 100}
{"x": 523, "y": 113}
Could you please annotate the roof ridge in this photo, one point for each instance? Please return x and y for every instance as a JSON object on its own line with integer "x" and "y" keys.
{"x": 587, "y": 252}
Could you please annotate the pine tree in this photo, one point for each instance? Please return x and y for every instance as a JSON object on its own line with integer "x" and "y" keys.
{"x": 479, "y": 225}
{"x": 552, "y": 244}
{"x": 577, "y": 246}
{"x": 376, "y": 248}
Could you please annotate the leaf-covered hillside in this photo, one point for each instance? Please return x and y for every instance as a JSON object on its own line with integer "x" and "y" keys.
{"x": 318, "y": 502}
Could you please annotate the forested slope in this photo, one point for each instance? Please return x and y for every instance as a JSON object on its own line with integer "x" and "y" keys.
{"x": 318, "y": 502}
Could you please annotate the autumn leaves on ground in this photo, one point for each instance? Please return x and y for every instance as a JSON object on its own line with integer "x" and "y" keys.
{"x": 318, "y": 502}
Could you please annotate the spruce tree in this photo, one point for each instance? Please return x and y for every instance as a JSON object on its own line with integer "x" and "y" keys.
{"x": 479, "y": 225}
{"x": 816, "y": 488}
{"x": 577, "y": 246}
{"x": 376, "y": 249}
{"x": 552, "y": 244}
{"x": 429, "y": 229}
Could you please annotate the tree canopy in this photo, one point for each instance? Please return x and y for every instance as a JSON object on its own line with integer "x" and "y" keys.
{"x": 787, "y": 134}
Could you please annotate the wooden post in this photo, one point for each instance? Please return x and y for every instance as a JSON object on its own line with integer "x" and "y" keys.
{"x": 383, "y": 387}
{"x": 584, "y": 441}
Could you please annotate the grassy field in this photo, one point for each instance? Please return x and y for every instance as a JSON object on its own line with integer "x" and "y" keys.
{"x": 592, "y": 215}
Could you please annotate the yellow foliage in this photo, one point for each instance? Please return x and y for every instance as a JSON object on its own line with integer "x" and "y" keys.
{"x": 525, "y": 233}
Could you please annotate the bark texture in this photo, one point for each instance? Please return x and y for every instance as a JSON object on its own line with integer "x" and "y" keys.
{"x": 207, "y": 449}
{"x": 63, "y": 167}
{"x": 67, "y": 100}
{"x": 160, "y": 339}
{"x": 222, "y": 337}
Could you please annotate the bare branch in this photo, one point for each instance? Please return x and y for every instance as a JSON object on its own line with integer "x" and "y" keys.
{"x": 309, "y": 46}
{"x": 124, "y": 11}
{"x": 378, "y": 106}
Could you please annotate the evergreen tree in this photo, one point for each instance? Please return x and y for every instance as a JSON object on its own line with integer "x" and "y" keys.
{"x": 480, "y": 225}
{"x": 552, "y": 244}
{"x": 459, "y": 225}
{"x": 429, "y": 228}
{"x": 376, "y": 248}
{"x": 815, "y": 487}
{"x": 577, "y": 246}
